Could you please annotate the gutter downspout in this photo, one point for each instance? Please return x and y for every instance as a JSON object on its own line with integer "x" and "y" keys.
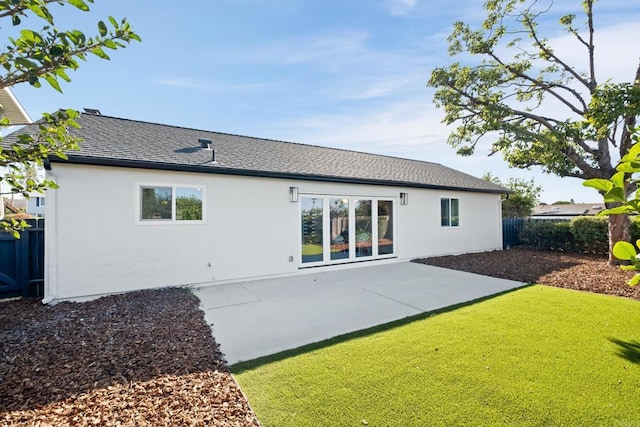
{"x": 50, "y": 241}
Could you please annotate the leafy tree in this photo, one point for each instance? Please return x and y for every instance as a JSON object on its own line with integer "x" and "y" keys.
{"x": 622, "y": 189}
{"x": 188, "y": 208}
{"x": 46, "y": 54}
{"x": 523, "y": 198}
{"x": 506, "y": 93}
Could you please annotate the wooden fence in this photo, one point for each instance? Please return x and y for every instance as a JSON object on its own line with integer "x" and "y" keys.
{"x": 22, "y": 262}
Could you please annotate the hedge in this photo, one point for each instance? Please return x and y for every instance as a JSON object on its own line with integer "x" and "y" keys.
{"x": 581, "y": 234}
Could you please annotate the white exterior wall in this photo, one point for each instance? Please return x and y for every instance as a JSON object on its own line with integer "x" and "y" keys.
{"x": 33, "y": 208}
{"x": 96, "y": 245}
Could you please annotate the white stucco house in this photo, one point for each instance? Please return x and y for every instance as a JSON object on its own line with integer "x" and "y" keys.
{"x": 146, "y": 205}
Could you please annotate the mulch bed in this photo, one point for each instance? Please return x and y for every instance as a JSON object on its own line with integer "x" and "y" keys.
{"x": 584, "y": 272}
{"x": 144, "y": 358}
{"x": 148, "y": 358}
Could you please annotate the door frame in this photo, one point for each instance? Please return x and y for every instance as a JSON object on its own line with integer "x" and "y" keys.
{"x": 326, "y": 229}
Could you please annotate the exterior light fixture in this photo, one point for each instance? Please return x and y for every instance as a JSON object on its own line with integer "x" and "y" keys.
{"x": 293, "y": 194}
{"x": 404, "y": 198}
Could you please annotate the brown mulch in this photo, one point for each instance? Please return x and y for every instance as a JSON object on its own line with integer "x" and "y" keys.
{"x": 144, "y": 358}
{"x": 584, "y": 272}
{"x": 148, "y": 358}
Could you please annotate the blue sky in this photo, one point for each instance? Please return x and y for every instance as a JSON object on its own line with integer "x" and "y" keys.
{"x": 345, "y": 74}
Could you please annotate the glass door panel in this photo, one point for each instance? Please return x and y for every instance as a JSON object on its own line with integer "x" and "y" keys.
{"x": 311, "y": 211}
{"x": 363, "y": 228}
{"x": 385, "y": 227}
{"x": 339, "y": 225}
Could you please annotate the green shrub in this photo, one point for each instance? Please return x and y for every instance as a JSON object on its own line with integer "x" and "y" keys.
{"x": 591, "y": 234}
{"x": 548, "y": 235}
{"x": 581, "y": 234}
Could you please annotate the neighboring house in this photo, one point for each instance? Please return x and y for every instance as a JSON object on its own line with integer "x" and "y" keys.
{"x": 18, "y": 202}
{"x": 171, "y": 206}
{"x": 12, "y": 211}
{"x": 567, "y": 211}
{"x": 35, "y": 204}
{"x": 10, "y": 108}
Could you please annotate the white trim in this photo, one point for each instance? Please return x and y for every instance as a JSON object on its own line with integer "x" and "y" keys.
{"x": 326, "y": 225}
{"x": 51, "y": 245}
{"x": 450, "y": 227}
{"x": 24, "y": 118}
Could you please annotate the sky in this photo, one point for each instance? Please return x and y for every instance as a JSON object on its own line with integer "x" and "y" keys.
{"x": 343, "y": 74}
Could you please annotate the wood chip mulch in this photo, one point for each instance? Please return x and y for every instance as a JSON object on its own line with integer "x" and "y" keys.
{"x": 584, "y": 272}
{"x": 144, "y": 358}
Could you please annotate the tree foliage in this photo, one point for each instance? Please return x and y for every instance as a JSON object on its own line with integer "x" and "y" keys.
{"x": 622, "y": 189}
{"x": 536, "y": 108}
{"x": 188, "y": 208}
{"x": 524, "y": 196}
{"x": 46, "y": 54}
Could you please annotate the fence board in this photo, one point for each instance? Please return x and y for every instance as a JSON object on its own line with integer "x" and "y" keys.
{"x": 22, "y": 262}
{"x": 511, "y": 232}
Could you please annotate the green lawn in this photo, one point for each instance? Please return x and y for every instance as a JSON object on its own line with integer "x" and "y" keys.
{"x": 538, "y": 356}
{"x": 310, "y": 249}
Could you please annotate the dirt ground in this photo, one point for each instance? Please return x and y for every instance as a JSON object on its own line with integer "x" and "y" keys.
{"x": 145, "y": 358}
{"x": 583, "y": 272}
{"x": 148, "y": 358}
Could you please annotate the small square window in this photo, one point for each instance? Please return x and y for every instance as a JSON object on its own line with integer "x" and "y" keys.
{"x": 188, "y": 204}
{"x": 156, "y": 203}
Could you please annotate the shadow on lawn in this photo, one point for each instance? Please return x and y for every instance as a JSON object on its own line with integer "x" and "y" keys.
{"x": 254, "y": 363}
{"x": 52, "y": 353}
{"x": 629, "y": 350}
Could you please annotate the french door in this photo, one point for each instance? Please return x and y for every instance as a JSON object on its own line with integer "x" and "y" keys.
{"x": 338, "y": 229}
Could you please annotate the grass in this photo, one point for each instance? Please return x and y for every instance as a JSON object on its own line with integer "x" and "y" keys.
{"x": 310, "y": 249}
{"x": 538, "y": 356}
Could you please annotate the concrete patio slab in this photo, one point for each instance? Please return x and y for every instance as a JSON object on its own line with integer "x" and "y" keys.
{"x": 262, "y": 317}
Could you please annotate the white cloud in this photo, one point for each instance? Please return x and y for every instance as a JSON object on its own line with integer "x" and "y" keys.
{"x": 371, "y": 87}
{"x": 202, "y": 85}
{"x": 616, "y": 52}
{"x": 324, "y": 47}
{"x": 401, "y": 7}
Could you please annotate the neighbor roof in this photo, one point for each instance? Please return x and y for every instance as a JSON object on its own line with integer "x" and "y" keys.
{"x": 11, "y": 108}
{"x": 572, "y": 209}
{"x": 112, "y": 141}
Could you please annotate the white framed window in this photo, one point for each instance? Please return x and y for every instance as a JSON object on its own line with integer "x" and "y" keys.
{"x": 170, "y": 204}
{"x": 449, "y": 212}
{"x": 40, "y": 201}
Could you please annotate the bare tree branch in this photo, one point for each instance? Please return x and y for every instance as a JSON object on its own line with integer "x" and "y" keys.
{"x": 554, "y": 57}
{"x": 545, "y": 86}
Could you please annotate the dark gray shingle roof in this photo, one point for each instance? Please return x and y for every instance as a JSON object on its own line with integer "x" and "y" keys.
{"x": 122, "y": 142}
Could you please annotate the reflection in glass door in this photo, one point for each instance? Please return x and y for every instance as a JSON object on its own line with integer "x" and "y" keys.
{"x": 364, "y": 229}
{"x": 385, "y": 227}
{"x": 339, "y": 224}
{"x": 337, "y": 229}
{"x": 311, "y": 211}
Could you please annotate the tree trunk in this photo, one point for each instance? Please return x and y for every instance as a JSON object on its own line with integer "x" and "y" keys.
{"x": 618, "y": 231}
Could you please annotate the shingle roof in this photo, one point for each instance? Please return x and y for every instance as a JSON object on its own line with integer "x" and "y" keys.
{"x": 123, "y": 142}
{"x": 573, "y": 209}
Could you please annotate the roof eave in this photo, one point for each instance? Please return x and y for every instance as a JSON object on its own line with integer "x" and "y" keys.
{"x": 138, "y": 164}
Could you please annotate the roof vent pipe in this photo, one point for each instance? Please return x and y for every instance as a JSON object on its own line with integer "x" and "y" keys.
{"x": 205, "y": 143}
{"x": 213, "y": 156}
